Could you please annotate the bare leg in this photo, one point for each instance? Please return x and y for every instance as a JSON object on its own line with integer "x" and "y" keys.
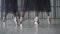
{"x": 48, "y": 17}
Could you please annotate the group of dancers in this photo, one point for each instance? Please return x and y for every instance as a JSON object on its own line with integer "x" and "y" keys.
{"x": 33, "y": 5}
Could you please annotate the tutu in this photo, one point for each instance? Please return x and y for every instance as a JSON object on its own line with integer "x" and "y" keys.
{"x": 12, "y": 4}
{"x": 26, "y": 5}
{"x": 41, "y": 5}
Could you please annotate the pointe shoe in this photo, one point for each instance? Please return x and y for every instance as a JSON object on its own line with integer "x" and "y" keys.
{"x": 49, "y": 21}
{"x": 4, "y": 18}
{"x": 36, "y": 21}
{"x": 4, "y": 22}
{"x": 21, "y": 25}
{"x": 21, "y": 20}
{"x": 15, "y": 20}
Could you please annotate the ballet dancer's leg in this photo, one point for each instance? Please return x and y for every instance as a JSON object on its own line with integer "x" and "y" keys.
{"x": 6, "y": 10}
{"x": 36, "y": 19}
{"x": 14, "y": 9}
{"x": 22, "y": 18}
{"x": 23, "y": 10}
{"x": 48, "y": 17}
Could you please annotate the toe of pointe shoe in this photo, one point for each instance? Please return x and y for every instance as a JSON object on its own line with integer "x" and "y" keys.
{"x": 49, "y": 21}
{"x": 36, "y": 23}
{"x": 21, "y": 25}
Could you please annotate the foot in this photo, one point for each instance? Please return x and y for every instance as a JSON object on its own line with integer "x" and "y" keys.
{"x": 4, "y": 19}
{"x": 36, "y": 20}
{"x": 49, "y": 20}
{"x": 4, "y": 22}
{"x": 21, "y": 25}
{"x": 21, "y": 20}
{"x": 15, "y": 20}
